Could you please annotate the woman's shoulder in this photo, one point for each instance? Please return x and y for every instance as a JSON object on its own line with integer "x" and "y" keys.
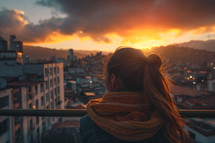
{"x": 91, "y": 133}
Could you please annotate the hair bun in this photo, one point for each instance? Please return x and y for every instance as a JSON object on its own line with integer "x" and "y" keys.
{"x": 154, "y": 59}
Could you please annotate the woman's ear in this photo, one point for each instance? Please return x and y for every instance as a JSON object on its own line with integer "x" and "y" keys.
{"x": 112, "y": 81}
{"x": 115, "y": 82}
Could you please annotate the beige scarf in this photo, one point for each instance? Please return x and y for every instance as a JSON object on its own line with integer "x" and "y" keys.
{"x": 124, "y": 115}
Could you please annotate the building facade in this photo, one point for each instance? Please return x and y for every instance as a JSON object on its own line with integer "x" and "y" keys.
{"x": 6, "y": 130}
{"x": 33, "y": 86}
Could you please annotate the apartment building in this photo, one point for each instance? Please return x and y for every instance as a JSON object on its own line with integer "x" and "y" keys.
{"x": 33, "y": 86}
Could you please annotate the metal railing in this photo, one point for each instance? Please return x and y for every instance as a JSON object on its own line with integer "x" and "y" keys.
{"x": 185, "y": 113}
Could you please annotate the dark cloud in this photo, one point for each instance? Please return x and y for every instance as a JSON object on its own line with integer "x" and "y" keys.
{"x": 95, "y": 18}
{"x": 108, "y": 15}
{"x": 14, "y": 22}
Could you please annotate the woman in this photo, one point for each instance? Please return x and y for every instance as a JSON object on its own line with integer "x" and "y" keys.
{"x": 137, "y": 108}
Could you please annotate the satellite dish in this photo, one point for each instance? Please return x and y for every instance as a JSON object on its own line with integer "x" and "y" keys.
{"x": 3, "y": 83}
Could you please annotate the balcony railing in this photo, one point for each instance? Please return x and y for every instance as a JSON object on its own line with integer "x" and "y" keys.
{"x": 185, "y": 113}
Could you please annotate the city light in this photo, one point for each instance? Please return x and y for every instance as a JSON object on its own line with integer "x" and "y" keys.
{"x": 34, "y": 107}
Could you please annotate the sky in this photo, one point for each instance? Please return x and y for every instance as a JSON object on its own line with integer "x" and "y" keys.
{"x": 107, "y": 24}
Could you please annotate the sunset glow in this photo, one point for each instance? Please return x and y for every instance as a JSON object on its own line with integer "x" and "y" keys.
{"x": 139, "y": 24}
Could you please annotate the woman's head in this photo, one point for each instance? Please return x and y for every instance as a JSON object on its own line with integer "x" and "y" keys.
{"x": 128, "y": 69}
{"x": 125, "y": 69}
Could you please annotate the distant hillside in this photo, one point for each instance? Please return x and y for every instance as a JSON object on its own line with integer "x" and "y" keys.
{"x": 182, "y": 55}
{"x": 36, "y": 52}
{"x": 208, "y": 45}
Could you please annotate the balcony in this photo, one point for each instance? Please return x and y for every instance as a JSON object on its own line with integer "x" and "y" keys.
{"x": 185, "y": 113}
{"x": 72, "y": 126}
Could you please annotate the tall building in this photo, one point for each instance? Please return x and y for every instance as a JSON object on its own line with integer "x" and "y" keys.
{"x": 33, "y": 86}
{"x": 71, "y": 53}
{"x": 12, "y": 42}
{"x": 15, "y": 45}
{"x": 3, "y": 44}
{"x": 11, "y": 58}
{"x": 70, "y": 57}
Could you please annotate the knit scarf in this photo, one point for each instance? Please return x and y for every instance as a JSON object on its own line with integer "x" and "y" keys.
{"x": 125, "y": 115}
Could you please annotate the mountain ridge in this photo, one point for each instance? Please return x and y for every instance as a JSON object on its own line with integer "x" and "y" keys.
{"x": 38, "y": 52}
{"x": 208, "y": 45}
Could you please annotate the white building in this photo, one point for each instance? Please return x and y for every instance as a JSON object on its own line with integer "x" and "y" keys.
{"x": 34, "y": 86}
{"x": 41, "y": 87}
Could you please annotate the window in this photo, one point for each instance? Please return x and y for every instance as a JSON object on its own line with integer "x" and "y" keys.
{"x": 31, "y": 124}
{"x": 55, "y": 91}
{"x": 46, "y": 72}
{"x": 37, "y": 104}
{"x": 47, "y": 97}
{"x": 47, "y": 84}
{"x": 51, "y": 82}
{"x": 41, "y": 87}
{"x": 55, "y": 81}
{"x": 29, "y": 89}
{"x": 37, "y": 119}
{"x": 4, "y": 101}
{"x": 52, "y": 94}
{"x": 44, "y": 126}
{"x": 30, "y": 106}
{"x": 58, "y": 89}
{"x": 56, "y": 103}
{"x": 55, "y": 70}
{"x": 3, "y": 126}
{"x": 36, "y": 89}
{"x": 58, "y": 80}
{"x": 50, "y": 71}
{"x": 42, "y": 101}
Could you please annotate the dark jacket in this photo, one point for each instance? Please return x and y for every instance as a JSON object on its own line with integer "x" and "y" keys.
{"x": 91, "y": 133}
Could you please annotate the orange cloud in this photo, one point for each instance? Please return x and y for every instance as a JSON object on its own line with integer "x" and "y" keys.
{"x": 125, "y": 22}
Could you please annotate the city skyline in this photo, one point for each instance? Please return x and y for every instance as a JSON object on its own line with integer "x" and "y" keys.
{"x": 106, "y": 25}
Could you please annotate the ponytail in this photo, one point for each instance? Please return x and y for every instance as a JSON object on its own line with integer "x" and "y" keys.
{"x": 156, "y": 89}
